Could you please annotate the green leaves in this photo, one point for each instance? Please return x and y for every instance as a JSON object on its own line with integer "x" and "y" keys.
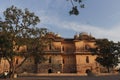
{"x": 75, "y": 4}
{"x": 74, "y": 11}
{"x": 107, "y": 53}
{"x": 16, "y": 30}
{"x": 29, "y": 18}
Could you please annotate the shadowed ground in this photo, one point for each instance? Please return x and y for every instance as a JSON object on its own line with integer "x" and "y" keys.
{"x": 68, "y": 77}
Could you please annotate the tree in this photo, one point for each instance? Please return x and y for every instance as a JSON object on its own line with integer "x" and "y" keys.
{"x": 75, "y": 4}
{"x": 37, "y": 46}
{"x": 17, "y": 29}
{"x": 107, "y": 55}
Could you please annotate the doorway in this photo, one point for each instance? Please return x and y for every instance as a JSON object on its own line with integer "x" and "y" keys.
{"x": 49, "y": 70}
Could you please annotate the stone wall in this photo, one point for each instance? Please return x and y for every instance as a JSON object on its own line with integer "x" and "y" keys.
{"x": 83, "y": 64}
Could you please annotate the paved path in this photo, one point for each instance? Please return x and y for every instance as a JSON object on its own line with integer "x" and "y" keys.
{"x": 109, "y": 77}
{"x": 72, "y": 78}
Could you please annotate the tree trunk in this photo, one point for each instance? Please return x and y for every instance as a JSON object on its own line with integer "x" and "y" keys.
{"x": 12, "y": 70}
{"x": 36, "y": 62}
{"x": 108, "y": 69}
{"x": 36, "y": 68}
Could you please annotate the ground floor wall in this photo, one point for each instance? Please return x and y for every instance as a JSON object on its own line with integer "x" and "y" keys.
{"x": 69, "y": 64}
{"x": 83, "y": 68}
{"x": 87, "y": 62}
{"x": 49, "y": 68}
{"x": 58, "y": 64}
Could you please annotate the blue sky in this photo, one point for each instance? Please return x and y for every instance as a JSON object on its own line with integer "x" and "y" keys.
{"x": 101, "y": 18}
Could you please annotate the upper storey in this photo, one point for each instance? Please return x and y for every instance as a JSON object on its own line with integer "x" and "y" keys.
{"x": 80, "y": 43}
{"x": 81, "y": 36}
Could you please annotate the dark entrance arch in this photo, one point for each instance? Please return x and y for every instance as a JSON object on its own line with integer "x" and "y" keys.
{"x": 88, "y": 71}
{"x": 49, "y": 70}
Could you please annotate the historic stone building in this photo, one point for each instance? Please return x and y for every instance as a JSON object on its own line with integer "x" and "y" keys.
{"x": 66, "y": 55}
{"x": 70, "y": 55}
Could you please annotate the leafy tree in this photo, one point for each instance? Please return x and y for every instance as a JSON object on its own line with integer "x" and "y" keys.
{"x": 107, "y": 55}
{"x": 17, "y": 29}
{"x": 75, "y": 5}
{"x": 37, "y": 46}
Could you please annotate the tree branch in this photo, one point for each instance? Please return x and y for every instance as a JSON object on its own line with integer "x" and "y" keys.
{"x": 21, "y": 63}
{"x": 72, "y": 3}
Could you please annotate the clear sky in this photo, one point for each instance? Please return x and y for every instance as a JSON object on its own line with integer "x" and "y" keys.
{"x": 101, "y": 18}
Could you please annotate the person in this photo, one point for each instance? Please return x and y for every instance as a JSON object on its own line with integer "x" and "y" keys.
{"x": 5, "y": 74}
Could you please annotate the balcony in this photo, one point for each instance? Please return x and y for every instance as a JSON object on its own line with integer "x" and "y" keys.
{"x": 53, "y": 51}
{"x": 83, "y": 51}
{"x": 68, "y": 51}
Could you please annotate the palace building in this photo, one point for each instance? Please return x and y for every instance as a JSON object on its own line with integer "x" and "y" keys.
{"x": 66, "y": 55}
{"x": 70, "y": 55}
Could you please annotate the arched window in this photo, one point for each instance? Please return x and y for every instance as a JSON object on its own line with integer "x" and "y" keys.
{"x": 63, "y": 61}
{"x": 63, "y": 48}
{"x": 50, "y": 59}
{"x": 16, "y": 61}
{"x": 87, "y": 59}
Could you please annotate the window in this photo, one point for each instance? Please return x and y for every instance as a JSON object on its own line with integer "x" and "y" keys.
{"x": 50, "y": 59}
{"x": 63, "y": 61}
{"x": 16, "y": 61}
{"x": 87, "y": 59}
{"x": 63, "y": 48}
